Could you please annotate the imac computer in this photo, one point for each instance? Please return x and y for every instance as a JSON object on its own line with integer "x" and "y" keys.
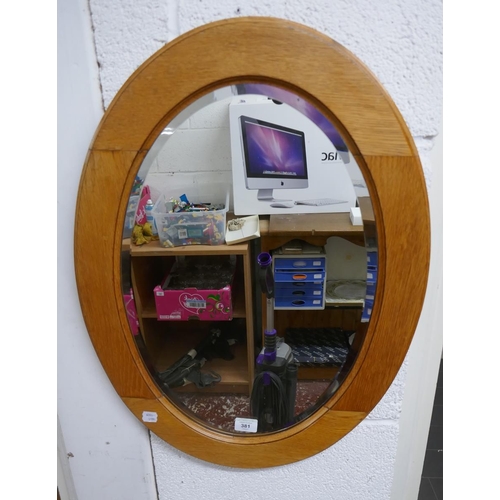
{"x": 280, "y": 95}
{"x": 274, "y": 157}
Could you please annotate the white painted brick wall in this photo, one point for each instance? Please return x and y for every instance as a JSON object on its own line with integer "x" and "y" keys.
{"x": 358, "y": 467}
{"x": 196, "y": 156}
{"x": 401, "y": 42}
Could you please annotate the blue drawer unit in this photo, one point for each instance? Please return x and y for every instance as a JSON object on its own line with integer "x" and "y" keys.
{"x": 299, "y": 281}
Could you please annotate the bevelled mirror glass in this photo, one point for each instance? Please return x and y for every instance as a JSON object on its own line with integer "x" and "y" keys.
{"x": 249, "y": 259}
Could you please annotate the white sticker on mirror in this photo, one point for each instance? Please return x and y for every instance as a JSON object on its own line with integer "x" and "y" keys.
{"x": 149, "y": 416}
{"x": 245, "y": 424}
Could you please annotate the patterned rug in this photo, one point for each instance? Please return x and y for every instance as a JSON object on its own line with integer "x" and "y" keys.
{"x": 220, "y": 410}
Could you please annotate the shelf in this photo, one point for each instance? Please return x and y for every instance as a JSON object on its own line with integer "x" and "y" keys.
{"x": 155, "y": 249}
{"x": 234, "y": 375}
{"x": 172, "y": 345}
{"x": 293, "y": 226}
{"x": 300, "y": 225}
{"x": 276, "y": 230}
{"x": 349, "y": 305}
{"x": 317, "y": 373}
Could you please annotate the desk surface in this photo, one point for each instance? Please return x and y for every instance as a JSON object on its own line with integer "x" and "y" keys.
{"x": 309, "y": 225}
{"x": 284, "y": 225}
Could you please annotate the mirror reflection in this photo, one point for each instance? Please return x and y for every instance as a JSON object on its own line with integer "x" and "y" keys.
{"x": 249, "y": 259}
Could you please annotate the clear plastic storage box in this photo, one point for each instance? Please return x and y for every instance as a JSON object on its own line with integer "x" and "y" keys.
{"x": 129, "y": 223}
{"x": 203, "y": 227}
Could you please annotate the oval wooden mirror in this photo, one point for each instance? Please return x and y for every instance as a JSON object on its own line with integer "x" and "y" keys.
{"x": 302, "y": 61}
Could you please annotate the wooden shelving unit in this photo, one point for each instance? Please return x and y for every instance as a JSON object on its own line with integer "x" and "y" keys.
{"x": 315, "y": 229}
{"x": 167, "y": 341}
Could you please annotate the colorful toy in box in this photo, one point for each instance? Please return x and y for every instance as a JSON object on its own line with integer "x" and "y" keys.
{"x": 196, "y": 290}
{"x": 140, "y": 215}
{"x": 193, "y": 229}
{"x": 182, "y": 222}
{"x": 136, "y": 186}
{"x": 143, "y": 234}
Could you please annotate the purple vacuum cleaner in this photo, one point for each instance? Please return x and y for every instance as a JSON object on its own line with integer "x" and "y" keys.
{"x": 272, "y": 400}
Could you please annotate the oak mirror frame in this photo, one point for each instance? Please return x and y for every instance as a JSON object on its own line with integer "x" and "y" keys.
{"x": 299, "y": 59}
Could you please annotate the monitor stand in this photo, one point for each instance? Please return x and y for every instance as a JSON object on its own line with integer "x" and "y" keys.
{"x": 267, "y": 195}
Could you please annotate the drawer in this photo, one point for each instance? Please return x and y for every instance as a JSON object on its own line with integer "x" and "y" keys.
{"x": 367, "y": 310}
{"x": 372, "y": 259}
{"x": 299, "y": 263}
{"x": 299, "y": 303}
{"x": 281, "y": 276}
{"x": 370, "y": 290}
{"x": 300, "y": 285}
{"x": 371, "y": 276}
{"x": 298, "y": 293}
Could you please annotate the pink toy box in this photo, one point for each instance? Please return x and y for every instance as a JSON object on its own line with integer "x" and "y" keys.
{"x": 196, "y": 290}
{"x": 140, "y": 214}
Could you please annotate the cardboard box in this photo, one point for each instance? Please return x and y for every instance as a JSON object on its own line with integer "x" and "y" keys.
{"x": 281, "y": 158}
{"x": 187, "y": 292}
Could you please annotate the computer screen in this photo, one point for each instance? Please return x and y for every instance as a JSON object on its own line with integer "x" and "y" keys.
{"x": 301, "y": 105}
{"x": 274, "y": 155}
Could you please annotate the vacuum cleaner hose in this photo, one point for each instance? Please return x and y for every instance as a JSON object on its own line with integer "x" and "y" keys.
{"x": 264, "y": 260}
